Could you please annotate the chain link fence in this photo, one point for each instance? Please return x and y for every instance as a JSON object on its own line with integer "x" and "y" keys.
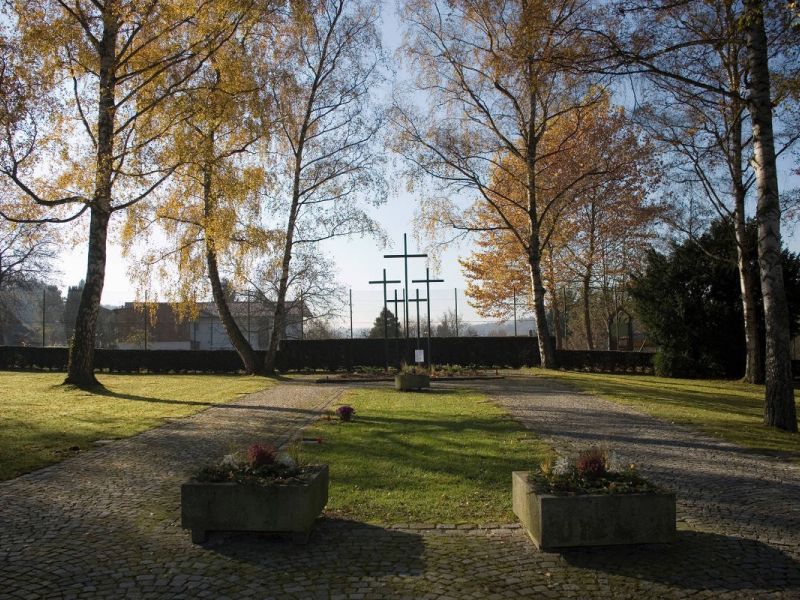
{"x": 43, "y": 316}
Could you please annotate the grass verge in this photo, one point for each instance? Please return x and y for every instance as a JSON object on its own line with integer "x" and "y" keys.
{"x": 730, "y": 410}
{"x": 43, "y": 421}
{"x": 437, "y": 457}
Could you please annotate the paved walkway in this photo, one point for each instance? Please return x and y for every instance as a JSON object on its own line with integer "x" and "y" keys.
{"x": 106, "y": 523}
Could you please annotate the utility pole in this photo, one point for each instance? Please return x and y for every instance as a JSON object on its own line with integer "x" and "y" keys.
{"x": 44, "y": 313}
{"x": 417, "y": 300}
{"x": 514, "y": 291}
{"x": 427, "y": 281}
{"x": 248, "y": 316}
{"x": 405, "y": 256}
{"x": 145, "y": 320}
{"x": 384, "y": 282}
{"x": 351, "y": 313}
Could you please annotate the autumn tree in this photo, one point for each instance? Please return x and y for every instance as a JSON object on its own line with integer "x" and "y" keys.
{"x": 327, "y": 162}
{"x": 94, "y": 104}
{"x": 206, "y": 224}
{"x": 681, "y": 42}
{"x": 608, "y": 213}
{"x": 504, "y": 106}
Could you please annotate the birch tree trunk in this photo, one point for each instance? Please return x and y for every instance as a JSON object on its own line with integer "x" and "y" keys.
{"x": 779, "y": 405}
{"x": 587, "y": 313}
{"x": 80, "y": 368}
{"x": 239, "y": 341}
{"x": 279, "y": 320}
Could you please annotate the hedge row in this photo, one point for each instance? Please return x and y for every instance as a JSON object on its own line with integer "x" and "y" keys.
{"x": 466, "y": 351}
{"x": 344, "y": 354}
{"x": 125, "y": 361}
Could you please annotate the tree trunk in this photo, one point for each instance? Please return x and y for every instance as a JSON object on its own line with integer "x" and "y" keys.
{"x": 754, "y": 360}
{"x": 779, "y": 405}
{"x": 587, "y": 313}
{"x": 754, "y": 363}
{"x": 558, "y": 322}
{"x": 546, "y": 350}
{"x": 279, "y": 321}
{"x": 239, "y": 341}
{"x": 80, "y": 369}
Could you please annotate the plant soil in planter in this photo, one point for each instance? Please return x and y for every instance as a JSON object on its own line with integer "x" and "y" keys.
{"x": 559, "y": 521}
{"x": 405, "y": 382}
{"x": 276, "y": 507}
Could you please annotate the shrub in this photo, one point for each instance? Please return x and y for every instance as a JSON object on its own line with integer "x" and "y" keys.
{"x": 591, "y": 463}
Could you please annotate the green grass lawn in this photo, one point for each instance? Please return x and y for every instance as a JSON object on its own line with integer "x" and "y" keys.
{"x": 437, "y": 457}
{"x": 40, "y": 419}
{"x": 731, "y": 410}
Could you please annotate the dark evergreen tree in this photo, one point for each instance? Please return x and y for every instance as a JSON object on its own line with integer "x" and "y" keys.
{"x": 689, "y": 302}
{"x": 392, "y": 325}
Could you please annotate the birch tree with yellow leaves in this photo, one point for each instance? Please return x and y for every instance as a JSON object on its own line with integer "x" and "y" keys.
{"x": 98, "y": 103}
{"x": 499, "y": 78}
{"x": 207, "y": 224}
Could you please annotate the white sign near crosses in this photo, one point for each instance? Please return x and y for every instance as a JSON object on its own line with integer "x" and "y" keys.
{"x": 419, "y": 356}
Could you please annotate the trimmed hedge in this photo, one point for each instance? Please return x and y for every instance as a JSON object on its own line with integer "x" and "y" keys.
{"x": 367, "y": 352}
{"x": 125, "y": 361}
{"x": 488, "y": 352}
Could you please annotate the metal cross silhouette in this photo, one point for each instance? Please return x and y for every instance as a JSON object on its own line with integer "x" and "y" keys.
{"x": 396, "y": 302}
{"x": 385, "y": 282}
{"x": 417, "y": 300}
{"x": 427, "y": 281}
{"x": 405, "y": 256}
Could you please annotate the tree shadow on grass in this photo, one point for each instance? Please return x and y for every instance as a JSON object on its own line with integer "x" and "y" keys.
{"x": 231, "y": 404}
{"x": 336, "y": 547}
{"x": 698, "y": 561}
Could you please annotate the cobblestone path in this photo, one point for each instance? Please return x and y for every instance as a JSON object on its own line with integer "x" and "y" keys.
{"x": 106, "y": 523}
{"x": 744, "y": 506}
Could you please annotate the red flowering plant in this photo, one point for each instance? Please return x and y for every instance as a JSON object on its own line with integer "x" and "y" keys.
{"x": 261, "y": 465}
{"x": 593, "y": 471}
{"x": 346, "y": 412}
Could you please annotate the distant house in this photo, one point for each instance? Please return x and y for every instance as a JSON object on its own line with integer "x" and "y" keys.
{"x": 161, "y": 328}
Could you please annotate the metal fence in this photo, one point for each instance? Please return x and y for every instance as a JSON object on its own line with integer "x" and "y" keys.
{"x": 44, "y": 316}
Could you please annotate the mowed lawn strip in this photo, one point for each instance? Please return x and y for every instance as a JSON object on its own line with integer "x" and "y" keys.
{"x": 40, "y": 419}
{"x": 730, "y": 410}
{"x": 435, "y": 457}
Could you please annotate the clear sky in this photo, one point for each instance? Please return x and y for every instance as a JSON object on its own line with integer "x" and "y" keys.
{"x": 358, "y": 260}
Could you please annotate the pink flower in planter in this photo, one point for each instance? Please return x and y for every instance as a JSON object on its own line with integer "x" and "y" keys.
{"x": 345, "y": 412}
{"x": 259, "y": 455}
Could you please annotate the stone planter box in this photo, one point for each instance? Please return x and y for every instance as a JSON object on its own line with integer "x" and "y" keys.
{"x": 411, "y": 381}
{"x": 280, "y": 508}
{"x": 592, "y": 520}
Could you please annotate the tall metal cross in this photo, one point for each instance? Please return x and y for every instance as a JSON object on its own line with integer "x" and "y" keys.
{"x": 396, "y": 302}
{"x": 427, "y": 281}
{"x": 405, "y": 256}
{"x": 417, "y": 300}
{"x": 385, "y": 282}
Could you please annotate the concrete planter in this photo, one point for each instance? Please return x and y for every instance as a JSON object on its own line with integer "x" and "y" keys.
{"x": 592, "y": 520}
{"x": 280, "y": 508}
{"x": 411, "y": 381}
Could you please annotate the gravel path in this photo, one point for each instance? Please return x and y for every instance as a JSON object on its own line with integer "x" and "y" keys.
{"x": 105, "y": 524}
